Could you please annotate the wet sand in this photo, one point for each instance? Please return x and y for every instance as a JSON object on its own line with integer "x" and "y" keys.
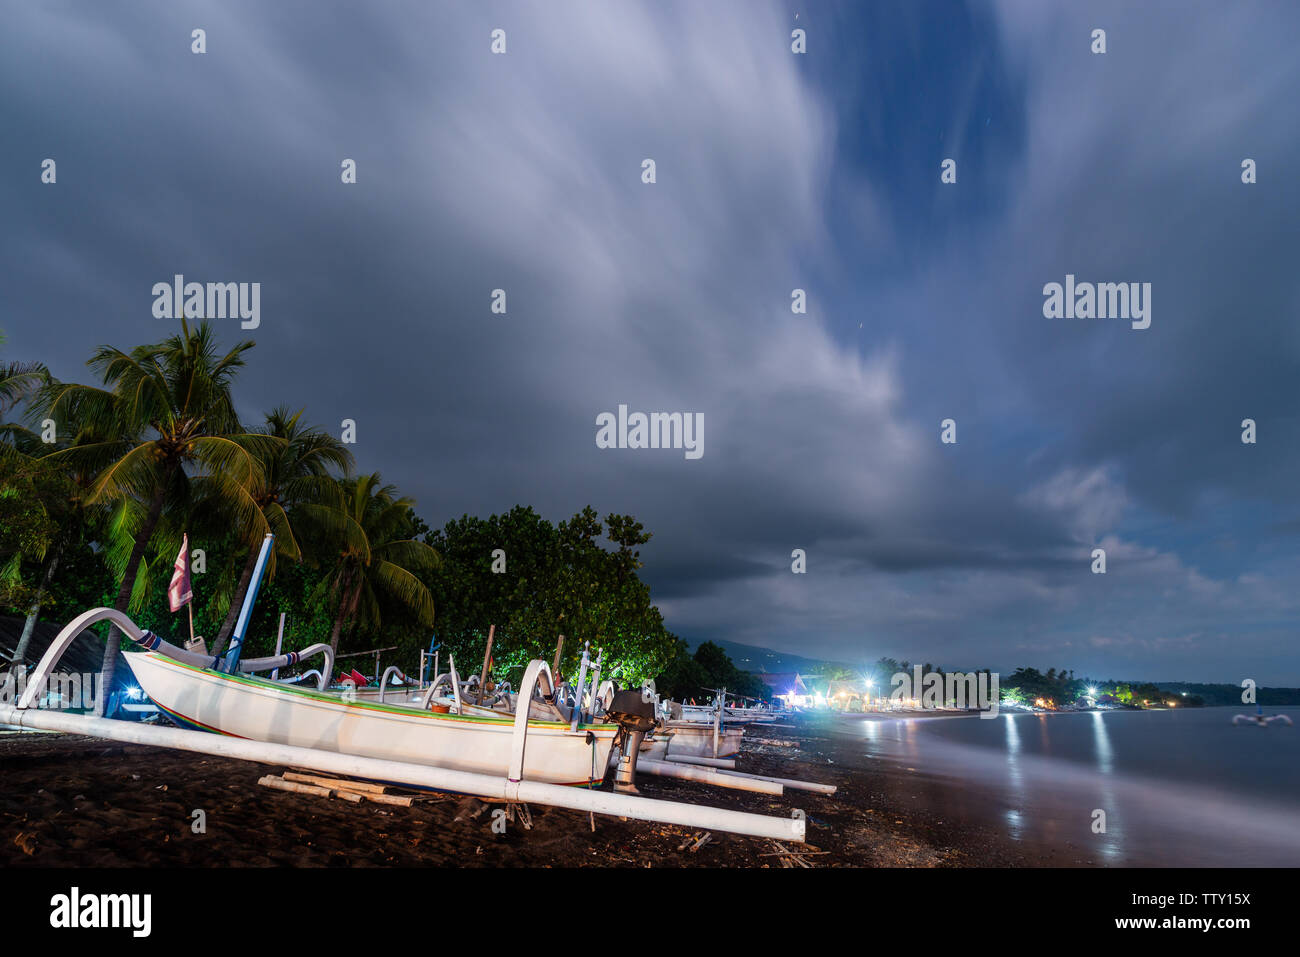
{"x": 71, "y": 801}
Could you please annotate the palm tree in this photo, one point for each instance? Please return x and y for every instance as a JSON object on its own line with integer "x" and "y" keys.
{"x": 294, "y": 473}
{"x": 167, "y": 409}
{"x": 18, "y": 380}
{"x": 371, "y": 556}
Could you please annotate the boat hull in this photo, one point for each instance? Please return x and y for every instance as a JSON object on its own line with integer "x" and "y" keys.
{"x": 692, "y": 741}
{"x": 262, "y": 710}
{"x": 697, "y": 742}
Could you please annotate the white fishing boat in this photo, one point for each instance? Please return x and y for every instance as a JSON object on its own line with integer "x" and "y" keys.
{"x": 250, "y": 707}
{"x": 692, "y": 731}
{"x": 702, "y": 714}
{"x": 223, "y": 695}
{"x": 731, "y": 713}
{"x": 693, "y": 740}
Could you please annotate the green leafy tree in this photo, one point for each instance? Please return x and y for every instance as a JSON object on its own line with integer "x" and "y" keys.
{"x": 536, "y": 581}
{"x": 684, "y": 676}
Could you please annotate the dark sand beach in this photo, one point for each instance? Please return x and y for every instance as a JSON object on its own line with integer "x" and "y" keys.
{"x": 69, "y": 801}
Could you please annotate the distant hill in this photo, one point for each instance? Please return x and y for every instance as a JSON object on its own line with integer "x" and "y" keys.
{"x": 760, "y": 660}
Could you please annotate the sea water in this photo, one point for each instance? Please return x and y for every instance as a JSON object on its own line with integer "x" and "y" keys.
{"x": 1174, "y": 787}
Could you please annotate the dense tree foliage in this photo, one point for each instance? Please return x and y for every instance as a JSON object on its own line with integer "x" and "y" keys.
{"x": 708, "y": 669}
{"x": 536, "y": 581}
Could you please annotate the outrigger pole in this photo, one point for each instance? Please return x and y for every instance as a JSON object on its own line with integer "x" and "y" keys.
{"x": 246, "y": 612}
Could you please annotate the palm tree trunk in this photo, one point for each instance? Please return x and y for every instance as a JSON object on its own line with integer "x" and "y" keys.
{"x": 128, "y": 585}
{"x": 29, "y": 626}
{"x": 346, "y": 600}
{"x": 236, "y": 601}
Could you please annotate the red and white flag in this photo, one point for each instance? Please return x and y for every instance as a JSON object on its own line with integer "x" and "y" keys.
{"x": 179, "y": 591}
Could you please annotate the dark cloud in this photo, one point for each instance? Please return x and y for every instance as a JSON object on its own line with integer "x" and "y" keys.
{"x": 522, "y": 172}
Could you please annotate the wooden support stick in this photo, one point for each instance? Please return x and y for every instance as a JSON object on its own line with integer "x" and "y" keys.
{"x": 789, "y": 858}
{"x": 342, "y": 793}
{"x": 363, "y": 786}
{"x": 695, "y": 842}
{"x": 280, "y": 784}
{"x": 399, "y": 800}
{"x": 555, "y": 668}
{"x": 487, "y": 656}
{"x": 787, "y": 853}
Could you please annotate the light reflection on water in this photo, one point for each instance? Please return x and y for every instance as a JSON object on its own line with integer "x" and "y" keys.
{"x": 1105, "y": 755}
{"x": 1014, "y": 777}
{"x": 1111, "y": 842}
{"x": 1177, "y": 787}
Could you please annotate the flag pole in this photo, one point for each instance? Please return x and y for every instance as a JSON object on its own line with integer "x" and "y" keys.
{"x": 179, "y": 590}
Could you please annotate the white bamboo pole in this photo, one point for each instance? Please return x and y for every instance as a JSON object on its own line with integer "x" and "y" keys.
{"x": 729, "y": 763}
{"x": 442, "y": 779}
{"x": 717, "y": 720}
{"x": 37, "y": 679}
{"x": 669, "y": 769}
{"x": 582, "y": 678}
{"x": 788, "y": 782}
{"x": 279, "y": 643}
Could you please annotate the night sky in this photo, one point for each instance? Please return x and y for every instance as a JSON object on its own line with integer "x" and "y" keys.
{"x": 774, "y": 171}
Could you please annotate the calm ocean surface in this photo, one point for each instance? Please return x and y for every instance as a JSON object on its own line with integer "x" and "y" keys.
{"x": 1179, "y": 787}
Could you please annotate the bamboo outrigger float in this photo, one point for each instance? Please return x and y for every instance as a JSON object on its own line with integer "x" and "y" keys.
{"x": 513, "y": 757}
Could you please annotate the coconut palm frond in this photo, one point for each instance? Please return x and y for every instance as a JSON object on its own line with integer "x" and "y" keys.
{"x": 411, "y": 554}
{"x": 346, "y": 532}
{"x": 286, "y": 541}
{"x": 405, "y": 588}
{"x": 18, "y": 380}
{"x": 134, "y": 475}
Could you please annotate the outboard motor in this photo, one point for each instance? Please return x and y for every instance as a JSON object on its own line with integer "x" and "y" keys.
{"x": 635, "y": 717}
